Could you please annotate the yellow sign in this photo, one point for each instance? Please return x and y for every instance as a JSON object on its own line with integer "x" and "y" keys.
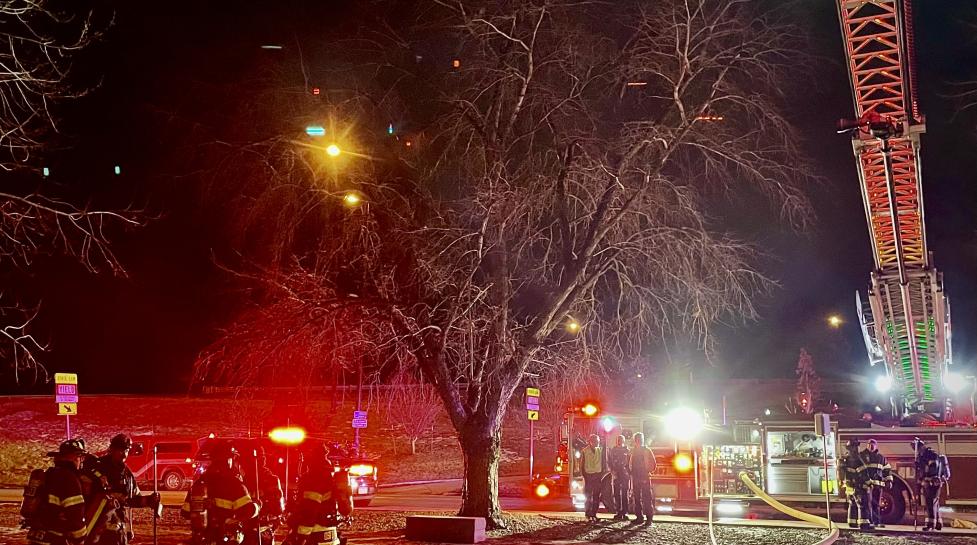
{"x": 67, "y": 408}
{"x": 532, "y": 392}
{"x": 65, "y": 378}
{"x": 533, "y": 415}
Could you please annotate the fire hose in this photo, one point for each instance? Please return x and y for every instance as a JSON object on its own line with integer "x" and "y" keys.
{"x": 807, "y": 517}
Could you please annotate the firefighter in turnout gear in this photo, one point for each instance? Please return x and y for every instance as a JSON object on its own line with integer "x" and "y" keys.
{"x": 266, "y": 488}
{"x": 878, "y": 475}
{"x": 621, "y": 477}
{"x": 856, "y": 487}
{"x": 324, "y": 502}
{"x": 218, "y": 504}
{"x": 58, "y": 515}
{"x": 113, "y": 526}
{"x": 932, "y": 470}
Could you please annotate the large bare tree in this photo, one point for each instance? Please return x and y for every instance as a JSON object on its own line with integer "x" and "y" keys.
{"x": 552, "y": 197}
{"x": 41, "y": 39}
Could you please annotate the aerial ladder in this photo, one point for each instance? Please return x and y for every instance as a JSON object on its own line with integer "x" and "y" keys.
{"x": 906, "y": 325}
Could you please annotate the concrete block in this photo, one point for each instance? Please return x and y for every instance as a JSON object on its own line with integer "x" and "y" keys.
{"x": 446, "y": 529}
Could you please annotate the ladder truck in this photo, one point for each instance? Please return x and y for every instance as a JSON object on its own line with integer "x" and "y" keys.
{"x": 906, "y": 324}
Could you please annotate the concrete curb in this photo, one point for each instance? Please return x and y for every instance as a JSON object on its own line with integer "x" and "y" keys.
{"x": 414, "y": 483}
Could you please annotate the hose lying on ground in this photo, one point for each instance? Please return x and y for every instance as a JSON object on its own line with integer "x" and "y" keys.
{"x": 807, "y": 517}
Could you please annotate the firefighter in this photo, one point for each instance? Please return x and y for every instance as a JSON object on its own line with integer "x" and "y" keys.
{"x": 59, "y": 518}
{"x": 878, "y": 475}
{"x": 266, "y": 488}
{"x": 324, "y": 502}
{"x": 218, "y": 504}
{"x": 594, "y": 463}
{"x": 618, "y": 462}
{"x": 853, "y": 477}
{"x": 642, "y": 464}
{"x": 114, "y": 526}
{"x": 932, "y": 470}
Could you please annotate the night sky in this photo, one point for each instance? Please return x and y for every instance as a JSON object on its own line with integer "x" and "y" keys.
{"x": 141, "y": 333}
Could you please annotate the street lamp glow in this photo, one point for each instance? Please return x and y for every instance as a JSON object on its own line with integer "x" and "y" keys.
{"x": 835, "y": 321}
{"x": 352, "y": 199}
{"x": 954, "y": 382}
{"x": 608, "y": 424}
{"x": 683, "y": 423}
{"x": 332, "y": 150}
{"x": 883, "y": 383}
{"x": 572, "y": 326}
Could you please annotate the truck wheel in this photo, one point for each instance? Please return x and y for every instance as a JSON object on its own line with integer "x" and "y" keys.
{"x": 892, "y": 505}
{"x": 362, "y": 503}
{"x": 173, "y": 480}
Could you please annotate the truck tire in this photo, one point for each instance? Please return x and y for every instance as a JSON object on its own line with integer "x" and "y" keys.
{"x": 892, "y": 505}
{"x": 173, "y": 479}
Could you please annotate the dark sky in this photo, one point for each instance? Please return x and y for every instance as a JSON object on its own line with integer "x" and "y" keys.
{"x": 141, "y": 333}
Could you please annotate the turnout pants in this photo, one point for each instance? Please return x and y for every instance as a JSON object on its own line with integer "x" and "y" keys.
{"x": 592, "y": 484}
{"x": 644, "y": 500}
{"x": 622, "y": 484}
{"x": 875, "y": 498}
{"x": 870, "y": 509}
{"x": 857, "y": 502}
{"x": 931, "y": 499}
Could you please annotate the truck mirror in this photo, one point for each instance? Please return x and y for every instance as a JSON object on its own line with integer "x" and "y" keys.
{"x": 137, "y": 449}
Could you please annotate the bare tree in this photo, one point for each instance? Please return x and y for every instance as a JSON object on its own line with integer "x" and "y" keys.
{"x": 554, "y": 203}
{"x": 411, "y": 408}
{"x": 40, "y": 42}
{"x": 808, "y": 390}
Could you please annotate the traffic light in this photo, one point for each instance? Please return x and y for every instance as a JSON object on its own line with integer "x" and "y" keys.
{"x": 590, "y": 409}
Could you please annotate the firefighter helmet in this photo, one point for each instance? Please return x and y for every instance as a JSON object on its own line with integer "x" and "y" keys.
{"x": 222, "y": 451}
{"x": 853, "y": 443}
{"x": 121, "y": 442}
{"x": 71, "y": 446}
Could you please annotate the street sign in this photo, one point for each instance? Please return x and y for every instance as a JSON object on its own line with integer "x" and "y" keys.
{"x": 532, "y": 392}
{"x": 67, "y": 409}
{"x": 65, "y": 378}
{"x": 359, "y": 419}
{"x": 533, "y": 415}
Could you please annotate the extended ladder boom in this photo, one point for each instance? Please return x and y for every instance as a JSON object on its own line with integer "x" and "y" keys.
{"x": 907, "y": 323}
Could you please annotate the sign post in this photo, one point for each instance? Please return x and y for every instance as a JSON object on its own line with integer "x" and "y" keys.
{"x": 66, "y": 396}
{"x": 822, "y": 427}
{"x": 532, "y": 413}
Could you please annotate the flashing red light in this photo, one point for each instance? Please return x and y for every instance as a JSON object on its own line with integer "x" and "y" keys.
{"x": 315, "y": 91}
{"x": 682, "y": 462}
{"x": 287, "y": 436}
{"x": 590, "y": 409}
{"x": 542, "y": 490}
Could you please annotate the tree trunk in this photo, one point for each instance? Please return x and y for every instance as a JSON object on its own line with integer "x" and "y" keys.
{"x": 413, "y": 445}
{"x": 481, "y": 448}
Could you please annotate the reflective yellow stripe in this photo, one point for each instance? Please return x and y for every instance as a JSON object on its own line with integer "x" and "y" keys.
{"x": 241, "y": 502}
{"x": 185, "y": 507}
{"x": 321, "y": 528}
{"x": 96, "y": 516}
{"x": 73, "y": 500}
{"x": 79, "y": 533}
{"x": 311, "y": 495}
{"x": 53, "y": 500}
{"x": 224, "y": 504}
{"x": 304, "y": 530}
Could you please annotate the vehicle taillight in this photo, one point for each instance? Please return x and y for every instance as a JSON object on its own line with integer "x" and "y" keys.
{"x": 542, "y": 490}
{"x": 361, "y": 470}
{"x": 188, "y": 460}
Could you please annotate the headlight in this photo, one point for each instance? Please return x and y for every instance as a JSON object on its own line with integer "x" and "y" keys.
{"x": 683, "y": 423}
{"x": 361, "y": 470}
{"x": 542, "y": 490}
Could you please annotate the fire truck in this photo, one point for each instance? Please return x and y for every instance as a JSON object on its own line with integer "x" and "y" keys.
{"x": 174, "y": 458}
{"x": 783, "y": 456}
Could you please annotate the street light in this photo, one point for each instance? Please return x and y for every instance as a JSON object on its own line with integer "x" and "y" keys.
{"x": 332, "y": 150}
{"x": 835, "y": 321}
{"x": 572, "y": 326}
{"x": 351, "y": 198}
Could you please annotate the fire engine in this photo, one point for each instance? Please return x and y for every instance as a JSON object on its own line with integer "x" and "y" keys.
{"x": 174, "y": 456}
{"x": 784, "y": 457}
